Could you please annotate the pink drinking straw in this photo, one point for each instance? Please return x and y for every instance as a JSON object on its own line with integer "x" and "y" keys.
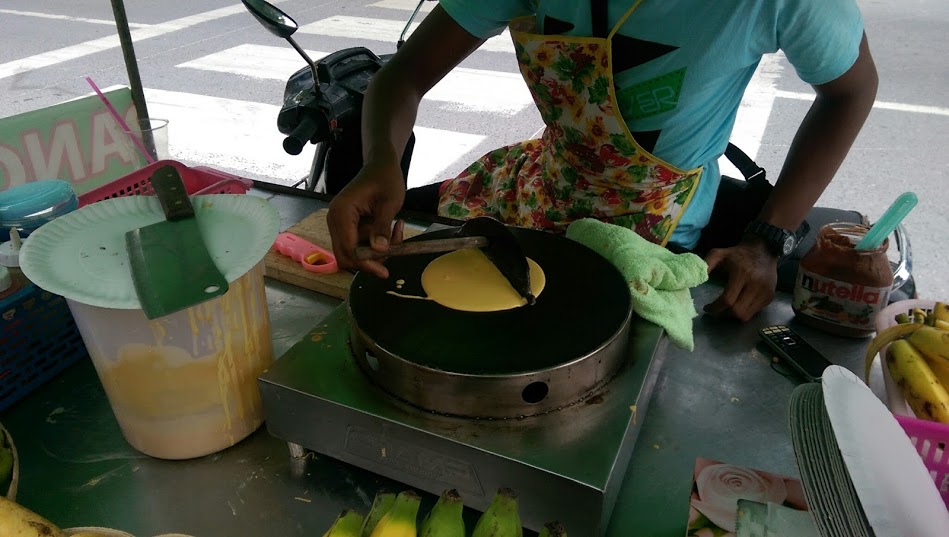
{"x": 120, "y": 121}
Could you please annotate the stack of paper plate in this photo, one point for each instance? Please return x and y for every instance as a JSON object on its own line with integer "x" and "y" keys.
{"x": 861, "y": 474}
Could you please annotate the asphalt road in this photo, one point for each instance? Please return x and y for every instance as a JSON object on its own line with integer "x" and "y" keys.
{"x": 218, "y": 77}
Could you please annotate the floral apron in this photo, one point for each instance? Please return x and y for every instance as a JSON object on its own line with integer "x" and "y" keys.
{"x": 586, "y": 164}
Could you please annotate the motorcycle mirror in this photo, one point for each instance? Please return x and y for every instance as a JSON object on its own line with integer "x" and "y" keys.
{"x": 281, "y": 25}
{"x": 273, "y": 19}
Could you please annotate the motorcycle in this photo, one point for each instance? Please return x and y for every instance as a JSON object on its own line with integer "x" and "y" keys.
{"x": 323, "y": 104}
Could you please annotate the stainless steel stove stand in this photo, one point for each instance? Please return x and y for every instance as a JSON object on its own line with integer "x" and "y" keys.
{"x": 566, "y": 465}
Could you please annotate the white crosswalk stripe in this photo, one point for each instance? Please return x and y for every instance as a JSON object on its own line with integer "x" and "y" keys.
{"x": 66, "y": 18}
{"x": 139, "y": 34}
{"x": 754, "y": 111}
{"x": 252, "y": 125}
{"x": 463, "y": 89}
{"x": 386, "y": 30}
{"x": 241, "y": 135}
{"x": 254, "y": 61}
{"x": 229, "y": 133}
{"x": 407, "y": 5}
{"x": 475, "y": 90}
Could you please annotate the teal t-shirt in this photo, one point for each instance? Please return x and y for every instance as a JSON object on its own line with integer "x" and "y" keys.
{"x": 687, "y": 64}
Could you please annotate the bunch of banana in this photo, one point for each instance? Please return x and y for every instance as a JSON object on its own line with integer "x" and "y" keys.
{"x": 395, "y": 516}
{"x": 347, "y": 524}
{"x": 937, "y": 318}
{"x": 381, "y": 505}
{"x": 918, "y": 360}
{"x": 553, "y": 529}
{"x": 445, "y": 519}
{"x": 21, "y": 522}
{"x": 399, "y": 520}
{"x": 502, "y": 518}
{"x": 6, "y": 466}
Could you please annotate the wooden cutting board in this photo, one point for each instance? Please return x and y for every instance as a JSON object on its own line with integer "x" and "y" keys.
{"x": 314, "y": 229}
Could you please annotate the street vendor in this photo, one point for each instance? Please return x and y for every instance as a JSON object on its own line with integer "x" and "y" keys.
{"x": 639, "y": 98}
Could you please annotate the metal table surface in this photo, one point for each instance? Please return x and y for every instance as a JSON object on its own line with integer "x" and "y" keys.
{"x": 724, "y": 401}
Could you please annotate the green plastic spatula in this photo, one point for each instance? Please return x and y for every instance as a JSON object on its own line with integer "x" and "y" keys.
{"x": 888, "y": 222}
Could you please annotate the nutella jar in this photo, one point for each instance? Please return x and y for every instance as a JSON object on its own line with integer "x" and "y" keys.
{"x": 840, "y": 289}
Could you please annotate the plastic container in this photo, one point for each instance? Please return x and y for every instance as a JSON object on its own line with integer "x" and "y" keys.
{"x": 10, "y": 254}
{"x": 8, "y": 285}
{"x": 12, "y": 281}
{"x": 28, "y": 206}
{"x": 38, "y": 339}
{"x": 930, "y": 440}
{"x": 198, "y": 181}
{"x": 183, "y": 385}
{"x": 841, "y": 289}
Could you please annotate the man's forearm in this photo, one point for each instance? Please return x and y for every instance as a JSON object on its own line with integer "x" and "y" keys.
{"x": 388, "y": 115}
{"x": 821, "y": 143}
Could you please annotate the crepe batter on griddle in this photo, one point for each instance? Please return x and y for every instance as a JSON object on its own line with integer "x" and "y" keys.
{"x": 466, "y": 280}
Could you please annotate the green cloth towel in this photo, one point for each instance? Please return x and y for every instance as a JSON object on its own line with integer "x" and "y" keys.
{"x": 659, "y": 280}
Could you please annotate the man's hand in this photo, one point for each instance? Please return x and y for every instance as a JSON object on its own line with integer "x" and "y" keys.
{"x": 752, "y": 278}
{"x": 364, "y": 211}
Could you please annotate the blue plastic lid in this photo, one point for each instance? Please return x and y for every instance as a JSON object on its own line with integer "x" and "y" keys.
{"x": 30, "y": 205}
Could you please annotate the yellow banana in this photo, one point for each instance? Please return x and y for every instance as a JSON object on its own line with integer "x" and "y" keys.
{"x": 942, "y": 325}
{"x": 932, "y": 342}
{"x": 501, "y": 519}
{"x": 553, "y": 529}
{"x": 941, "y": 312}
{"x": 347, "y": 524}
{"x": 380, "y": 506}
{"x": 6, "y": 463}
{"x": 20, "y": 521}
{"x": 922, "y": 390}
{"x": 940, "y": 368}
{"x": 919, "y": 315}
{"x": 445, "y": 519}
{"x": 902, "y": 318}
{"x": 400, "y": 520}
{"x": 883, "y": 339}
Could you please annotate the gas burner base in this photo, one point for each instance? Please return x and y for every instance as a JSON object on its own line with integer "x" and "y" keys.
{"x": 565, "y": 465}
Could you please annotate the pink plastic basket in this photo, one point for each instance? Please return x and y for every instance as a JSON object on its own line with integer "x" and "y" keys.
{"x": 930, "y": 440}
{"x": 198, "y": 181}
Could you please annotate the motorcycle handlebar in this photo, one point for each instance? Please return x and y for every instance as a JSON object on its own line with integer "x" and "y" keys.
{"x": 308, "y": 129}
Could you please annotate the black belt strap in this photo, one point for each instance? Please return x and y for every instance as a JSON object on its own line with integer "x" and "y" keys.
{"x": 598, "y": 13}
{"x": 748, "y": 168}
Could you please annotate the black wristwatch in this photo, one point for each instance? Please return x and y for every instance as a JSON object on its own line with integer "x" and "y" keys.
{"x": 779, "y": 241}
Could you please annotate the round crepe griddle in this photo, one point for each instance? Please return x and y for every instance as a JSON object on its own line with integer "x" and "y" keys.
{"x": 584, "y": 305}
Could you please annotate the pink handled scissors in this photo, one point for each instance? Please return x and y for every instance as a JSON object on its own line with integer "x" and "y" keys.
{"x": 312, "y": 257}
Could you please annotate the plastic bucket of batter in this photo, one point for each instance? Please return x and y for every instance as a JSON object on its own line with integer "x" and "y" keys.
{"x": 184, "y": 385}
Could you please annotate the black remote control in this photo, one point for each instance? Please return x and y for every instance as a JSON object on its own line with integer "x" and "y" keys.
{"x": 792, "y": 348}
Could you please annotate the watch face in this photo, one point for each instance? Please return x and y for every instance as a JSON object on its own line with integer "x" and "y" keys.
{"x": 788, "y": 246}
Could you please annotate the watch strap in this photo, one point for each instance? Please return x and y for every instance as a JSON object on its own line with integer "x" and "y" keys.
{"x": 774, "y": 237}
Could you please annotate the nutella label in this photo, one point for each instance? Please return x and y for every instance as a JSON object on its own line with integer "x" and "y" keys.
{"x": 837, "y": 302}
